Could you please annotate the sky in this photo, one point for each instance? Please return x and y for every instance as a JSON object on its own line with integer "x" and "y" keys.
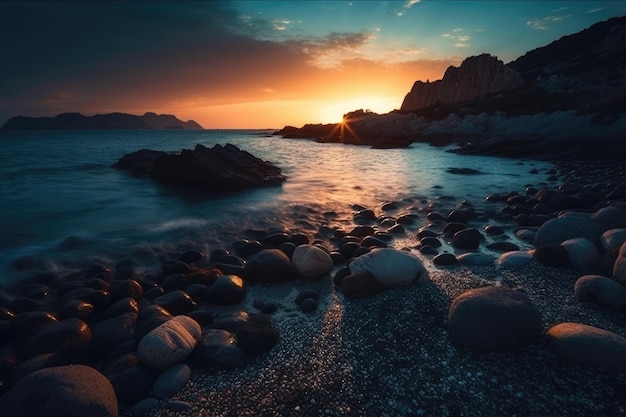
{"x": 257, "y": 64}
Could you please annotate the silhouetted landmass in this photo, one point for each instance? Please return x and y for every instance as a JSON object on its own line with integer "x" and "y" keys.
{"x": 572, "y": 104}
{"x": 76, "y": 121}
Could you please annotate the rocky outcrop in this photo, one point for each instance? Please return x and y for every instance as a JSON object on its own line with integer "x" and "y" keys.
{"x": 76, "y": 121}
{"x": 477, "y": 76}
{"x": 218, "y": 168}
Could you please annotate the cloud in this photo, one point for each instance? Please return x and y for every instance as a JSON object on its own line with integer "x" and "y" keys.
{"x": 457, "y": 36}
{"x": 595, "y": 10}
{"x": 406, "y": 6}
{"x": 544, "y": 22}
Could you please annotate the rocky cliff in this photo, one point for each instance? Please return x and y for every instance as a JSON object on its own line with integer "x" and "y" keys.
{"x": 76, "y": 121}
{"x": 476, "y": 77}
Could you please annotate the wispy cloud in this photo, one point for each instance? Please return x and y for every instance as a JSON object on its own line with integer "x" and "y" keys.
{"x": 406, "y": 6}
{"x": 595, "y": 10}
{"x": 544, "y": 22}
{"x": 283, "y": 24}
{"x": 457, "y": 36}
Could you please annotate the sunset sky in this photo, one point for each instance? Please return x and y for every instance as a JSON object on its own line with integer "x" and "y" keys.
{"x": 257, "y": 64}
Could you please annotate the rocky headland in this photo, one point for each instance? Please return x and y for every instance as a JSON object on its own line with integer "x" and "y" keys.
{"x": 76, "y": 121}
{"x": 563, "y": 100}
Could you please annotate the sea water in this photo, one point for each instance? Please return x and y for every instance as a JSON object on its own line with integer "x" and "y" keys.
{"x": 56, "y": 185}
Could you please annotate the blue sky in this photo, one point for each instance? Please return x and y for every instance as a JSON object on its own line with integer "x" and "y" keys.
{"x": 229, "y": 64}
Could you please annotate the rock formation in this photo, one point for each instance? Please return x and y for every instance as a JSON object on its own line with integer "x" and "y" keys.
{"x": 477, "y": 76}
{"x": 218, "y": 168}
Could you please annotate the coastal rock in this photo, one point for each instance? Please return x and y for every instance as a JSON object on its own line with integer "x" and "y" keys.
{"x": 600, "y": 290}
{"x": 467, "y": 239}
{"x": 612, "y": 238}
{"x": 63, "y": 391}
{"x": 444, "y": 259}
{"x": 150, "y": 318}
{"x": 257, "y": 335}
{"x": 493, "y": 319}
{"x": 619, "y": 268}
{"x": 477, "y": 76}
{"x": 109, "y": 333}
{"x": 72, "y": 334}
{"x": 390, "y": 267}
{"x": 227, "y": 289}
{"x": 588, "y": 345}
{"x": 176, "y": 302}
{"x": 268, "y": 265}
{"x": 171, "y": 381}
{"x": 132, "y": 384}
{"x": 610, "y": 217}
{"x": 217, "y": 350}
{"x": 514, "y": 259}
{"x": 502, "y": 246}
{"x": 218, "y": 168}
{"x": 582, "y": 253}
{"x": 360, "y": 285}
{"x": 475, "y": 258}
{"x": 310, "y": 261}
{"x": 170, "y": 343}
{"x": 560, "y": 229}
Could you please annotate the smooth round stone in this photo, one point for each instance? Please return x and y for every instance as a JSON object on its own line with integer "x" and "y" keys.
{"x": 150, "y": 318}
{"x": 27, "y": 324}
{"x": 475, "y": 258}
{"x": 397, "y": 229}
{"x": 126, "y": 288}
{"x": 457, "y": 216}
{"x": 125, "y": 269}
{"x": 390, "y": 267}
{"x": 514, "y": 259}
{"x": 177, "y": 405}
{"x": 610, "y": 217}
{"x": 360, "y": 285}
{"x": 467, "y": 239}
{"x": 170, "y": 343}
{"x": 268, "y": 265}
{"x": 304, "y": 294}
{"x": 452, "y": 228}
{"x": 428, "y": 250}
{"x": 144, "y": 405}
{"x": 217, "y": 350}
{"x": 288, "y": 247}
{"x": 582, "y": 253}
{"x": 63, "y": 391}
{"x": 176, "y": 302}
{"x": 619, "y": 268}
{"x": 493, "y": 319}
{"x": 362, "y": 231}
{"x": 430, "y": 241}
{"x": 527, "y": 235}
{"x": 132, "y": 384}
{"x": 502, "y": 246}
{"x": 588, "y": 345}
{"x": 348, "y": 249}
{"x": 125, "y": 305}
{"x": 600, "y": 290}
{"x": 227, "y": 290}
{"x": 373, "y": 242}
{"x": 191, "y": 256}
{"x": 444, "y": 259}
{"x": 107, "y": 334}
{"x": 556, "y": 231}
{"x": 248, "y": 248}
{"x": 78, "y": 309}
{"x": 73, "y": 333}
{"x": 257, "y": 335}
{"x": 494, "y": 230}
{"x": 173, "y": 266}
{"x": 308, "y": 305}
{"x": 309, "y": 261}
{"x": 555, "y": 256}
{"x": 171, "y": 381}
{"x": 612, "y": 239}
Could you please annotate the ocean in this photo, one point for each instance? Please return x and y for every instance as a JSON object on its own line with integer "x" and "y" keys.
{"x": 63, "y": 206}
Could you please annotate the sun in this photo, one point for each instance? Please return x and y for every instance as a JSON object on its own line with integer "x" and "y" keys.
{"x": 333, "y": 112}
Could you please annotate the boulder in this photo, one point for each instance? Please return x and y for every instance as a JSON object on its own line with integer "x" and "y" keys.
{"x": 170, "y": 343}
{"x": 73, "y": 334}
{"x": 588, "y": 345}
{"x": 219, "y": 168}
{"x": 493, "y": 319}
{"x": 514, "y": 259}
{"x": 310, "y": 261}
{"x": 268, "y": 265}
{"x": 217, "y": 350}
{"x": 171, "y": 381}
{"x": 257, "y": 335}
{"x": 361, "y": 285}
{"x": 619, "y": 268}
{"x": 556, "y": 231}
{"x": 390, "y": 267}
{"x": 109, "y": 333}
{"x": 610, "y": 217}
{"x": 600, "y": 290}
{"x": 612, "y": 238}
{"x": 475, "y": 258}
{"x": 227, "y": 289}
{"x": 176, "y": 302}
{"x": 582, "y": 253}
{"x": 132, "y": 384}
{"x": 63, "y": 391}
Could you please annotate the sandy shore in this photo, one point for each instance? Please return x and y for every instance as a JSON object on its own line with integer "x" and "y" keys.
{"x": 389, "y": 355}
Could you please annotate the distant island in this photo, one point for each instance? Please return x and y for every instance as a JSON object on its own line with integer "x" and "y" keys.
{"x": 76, "y": 121}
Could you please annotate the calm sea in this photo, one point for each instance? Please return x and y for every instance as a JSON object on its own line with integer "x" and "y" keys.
{"x": 60, "y": 184}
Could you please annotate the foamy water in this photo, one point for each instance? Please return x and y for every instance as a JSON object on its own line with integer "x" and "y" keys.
{"x": 57, "y": 184}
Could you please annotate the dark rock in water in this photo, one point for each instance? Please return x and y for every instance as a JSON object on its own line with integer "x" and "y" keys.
{"x": 430, "y": 241}
{"x": 125, "y": 305}
{"x": 451, "y": 228}
{"x": 588, "y": 345}
{"x": 467, "y": 239}
{"x": 396, "y": 229}
{"x": 362, "y": 231}
{"x": 303, "y": 295}
{"x": 64, "y": 391}
{"x": 127, "y": 288}
{"x": 348, "y": 249}
{"x": 202, "y": 317}
{"x": 247, "y": 248}
{"x": 556, "y": 231}
{"x": 150, "y": 318}
{"x": 191, "y": 256}
{"x": 361, "y": 285}
{"x": 220, "y": 168}
{"x": 428, "y": 250}
{"x": 139, "y": 163}
{"x": 494, "y": 230}
{"x": 268, "y": 265}
{"x": 287, "y": 247}
{"x": 493, "y": 319}
{"x": 78, "y": 309}
{"x": 444, "y": 259}
{"x": 257, "y": 335}
{"x": 125, "y": 269}
{"x": 553, "y": 255}
{"x": 361, "y": 250}
{"x": 457, "y": 216}
{"x": 173, "y": 266}
{"x": 27, "y": 324}
{"x": 373, "y": 242}
{"x": 176, "y": 302}
{"x": 463, "y": 171}
{"x": 308, "y": 305}
{"x": 274, "y": 239}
